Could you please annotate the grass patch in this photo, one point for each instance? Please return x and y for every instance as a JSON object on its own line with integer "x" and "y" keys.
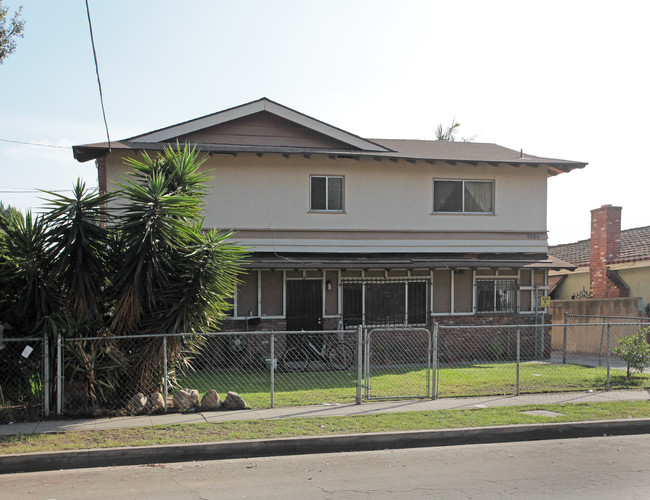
{"x": 317, "y": 387}
{"x": 318, "y": 426}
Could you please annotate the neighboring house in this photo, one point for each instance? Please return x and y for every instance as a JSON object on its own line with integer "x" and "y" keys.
{"x": 372, "y": 231}
{"x": 612, "y": 264}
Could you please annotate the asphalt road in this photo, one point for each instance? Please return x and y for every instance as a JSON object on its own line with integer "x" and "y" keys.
{"x": 601, "y": 467}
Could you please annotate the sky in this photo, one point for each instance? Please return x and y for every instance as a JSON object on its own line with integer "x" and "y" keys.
{"x": 557, "y": 79}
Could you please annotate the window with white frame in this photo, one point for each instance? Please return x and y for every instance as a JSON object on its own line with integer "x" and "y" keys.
{"x": 326, "y": 193}
{"x": 533, "y": 285}
{"x": 463, "y": 196}
{"x": 496, "y": 295}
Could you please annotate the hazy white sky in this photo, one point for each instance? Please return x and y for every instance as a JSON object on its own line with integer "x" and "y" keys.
{"x": 562, "y": 79}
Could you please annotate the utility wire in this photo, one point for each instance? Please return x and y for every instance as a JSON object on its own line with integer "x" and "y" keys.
{"x": 99, "y": 82}
{"x": 35, "y": 144}
{"x": 30, "y": 191}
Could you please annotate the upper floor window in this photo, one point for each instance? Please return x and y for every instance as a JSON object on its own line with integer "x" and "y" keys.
{"x": 326, "y": 193}
{"x": 463, "y": 196}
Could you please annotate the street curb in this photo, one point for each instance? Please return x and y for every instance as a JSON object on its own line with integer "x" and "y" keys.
{"x": 222, "y": 450}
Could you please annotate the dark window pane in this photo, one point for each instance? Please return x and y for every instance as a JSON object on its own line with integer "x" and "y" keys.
{"x": 447, "y": 196}
{"x": 478, "y": 196}
{"x": 485, "y": 295}
{"x": 318, "y": 193}
{"x": 335, "y": 193}
{"x": 352, "y": 304}
{"x": 417, "y": 299}
{"x": 385, "y": 303}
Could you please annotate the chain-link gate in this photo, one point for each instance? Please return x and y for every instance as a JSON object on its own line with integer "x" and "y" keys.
{"x": 398, "y": 363}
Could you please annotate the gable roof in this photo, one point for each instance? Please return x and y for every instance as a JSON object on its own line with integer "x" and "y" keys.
{"x": 266, "y": 127}
{"x": 635, "y": 246}
{"x": 261, "y": 105}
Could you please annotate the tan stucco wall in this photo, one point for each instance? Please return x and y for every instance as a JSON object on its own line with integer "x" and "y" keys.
{"x": 272, "y": 193}
{"x": 638, "y": 279}
{"x": 586, "y": 339}
{"x": 572, "y": 284}
{"x": 635, "y": 274}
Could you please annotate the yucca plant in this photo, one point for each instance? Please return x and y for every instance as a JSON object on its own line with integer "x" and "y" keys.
{"x": 78, "y": 242}
{"x": 29, "y": 295}
{"x": 173, "y": 277}
{"x": 93, "y": 266}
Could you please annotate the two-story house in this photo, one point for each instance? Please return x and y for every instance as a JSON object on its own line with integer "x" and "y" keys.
{"x": 347, "y": 230}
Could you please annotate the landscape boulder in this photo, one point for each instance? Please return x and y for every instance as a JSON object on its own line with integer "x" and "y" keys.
{"x": 211, "y": 401}
{"x": 156, "y": 402}
{"x": 184, "y": 399}
{"x": 138, "y": 404}
{"x": 234, "y": 401}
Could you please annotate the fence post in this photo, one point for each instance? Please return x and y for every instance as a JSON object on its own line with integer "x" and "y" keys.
{"x": 46, "y": 376}
{"x": 272, "y": 370}
{"x": 518, "y": 358}
{"x": 59, "y": 375}
{"x": 165, "y": 381}
{"x": 542, "y": 334}
{"x": 565, "y": 339}
{"x": 434, "y": 353}
{"x": 609, "y": 353}
{"x": 359, "y": 362}
{"x": 600, "y": 352}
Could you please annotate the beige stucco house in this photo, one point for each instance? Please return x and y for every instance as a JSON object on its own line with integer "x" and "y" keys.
{"x": 612, "y": 264}
{"x": 348, "y": 230}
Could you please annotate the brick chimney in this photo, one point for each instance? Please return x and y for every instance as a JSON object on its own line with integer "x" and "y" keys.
{"x": 605, "y": 247}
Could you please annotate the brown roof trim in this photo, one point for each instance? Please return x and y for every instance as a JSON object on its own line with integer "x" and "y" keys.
{"x": 87, "y": 152}
{"x": 301, "y": 261}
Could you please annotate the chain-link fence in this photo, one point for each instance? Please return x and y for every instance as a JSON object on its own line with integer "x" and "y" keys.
{"x": 585, "y": 339}
{"x": 22, "y": 380}
{"x": 226, "y": 370}
{"x": 181, "y": 372}
{"x": 398, "y": 363}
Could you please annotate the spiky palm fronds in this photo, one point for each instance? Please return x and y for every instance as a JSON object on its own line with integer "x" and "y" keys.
{"x": 29, "y": 293}
{"x": 78, "y": 242}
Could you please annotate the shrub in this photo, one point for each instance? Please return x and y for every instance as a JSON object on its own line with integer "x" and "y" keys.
{"x": 635, "y": 350}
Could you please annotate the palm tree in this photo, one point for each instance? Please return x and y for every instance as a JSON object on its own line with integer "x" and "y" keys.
{"x": 173, "y": 277}
{"x": 90, "y": 268}
{"x": 448, "y": 134}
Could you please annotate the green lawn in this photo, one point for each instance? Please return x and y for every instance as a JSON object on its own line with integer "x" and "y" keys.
{"x": 319, "y": 426}
{"x": 318, "y": 387}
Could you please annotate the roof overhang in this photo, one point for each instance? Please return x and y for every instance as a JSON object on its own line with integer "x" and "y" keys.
{"x": 88, "y": 152}
{"x": 410, "y": 261}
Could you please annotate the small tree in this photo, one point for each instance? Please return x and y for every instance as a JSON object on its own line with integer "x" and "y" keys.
{"x": 9, "y": 32}
{"x": 635, "y": 350}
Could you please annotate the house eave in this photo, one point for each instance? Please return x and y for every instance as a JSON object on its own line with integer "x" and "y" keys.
{"x": 432, "y": 261}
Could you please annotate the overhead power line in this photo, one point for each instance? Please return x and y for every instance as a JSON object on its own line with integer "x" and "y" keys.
{"x": 35, "y": 144}
{"x": 99, "y": 82}
{"x": 32, "y": 191}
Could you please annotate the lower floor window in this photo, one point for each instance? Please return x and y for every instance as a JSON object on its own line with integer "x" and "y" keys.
{"x": 496, "y": 295}
{"x": 385, "y": 302}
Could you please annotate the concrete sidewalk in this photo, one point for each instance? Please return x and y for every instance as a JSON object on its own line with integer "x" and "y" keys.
{"x": 325, "y": 410}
